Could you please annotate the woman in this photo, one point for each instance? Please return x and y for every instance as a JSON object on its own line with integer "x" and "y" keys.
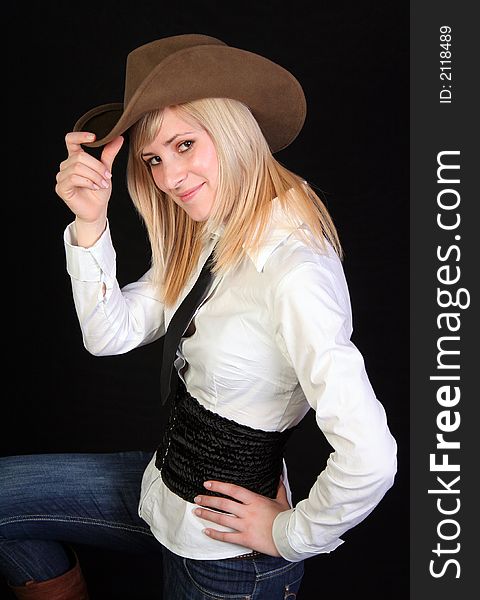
{"x": 247, "y": 287}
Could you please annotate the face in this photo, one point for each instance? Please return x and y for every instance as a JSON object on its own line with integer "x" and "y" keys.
{"x": 184, "y": 164}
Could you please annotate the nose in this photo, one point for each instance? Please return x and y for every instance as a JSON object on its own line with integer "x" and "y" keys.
{"x": 174, "y": 173}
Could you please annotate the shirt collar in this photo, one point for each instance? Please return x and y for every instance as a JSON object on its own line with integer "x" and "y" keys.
{"x": 278, "y": 229}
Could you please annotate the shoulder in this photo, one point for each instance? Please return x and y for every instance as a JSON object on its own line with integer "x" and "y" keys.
{"x": 304, "y": 270}
{"x": 300, "y": 251}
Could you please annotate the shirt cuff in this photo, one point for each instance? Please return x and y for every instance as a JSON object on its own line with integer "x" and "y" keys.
{"x": 88, "y": 264}
{"x": 285, "y": 548}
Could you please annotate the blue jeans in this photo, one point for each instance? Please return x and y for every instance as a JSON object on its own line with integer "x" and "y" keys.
{"x": 48, "y": 501}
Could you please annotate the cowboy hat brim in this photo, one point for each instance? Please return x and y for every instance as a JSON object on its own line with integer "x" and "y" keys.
{"x": 272, "y": 93}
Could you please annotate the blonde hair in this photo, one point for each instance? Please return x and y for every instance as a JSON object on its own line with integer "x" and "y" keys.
{"x": 249, "y": 177}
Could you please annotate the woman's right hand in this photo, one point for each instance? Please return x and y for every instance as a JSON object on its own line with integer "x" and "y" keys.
{"x": 83, "y": 182}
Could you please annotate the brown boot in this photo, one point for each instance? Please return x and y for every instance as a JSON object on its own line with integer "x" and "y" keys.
{"x": 69, "y": 586}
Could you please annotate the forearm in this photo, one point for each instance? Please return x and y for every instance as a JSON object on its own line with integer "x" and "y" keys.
{"x": 112, "y": 320}
{"x": 340, "y": 498}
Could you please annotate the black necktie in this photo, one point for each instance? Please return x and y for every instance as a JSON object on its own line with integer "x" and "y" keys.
{"x": 176, "y": 328}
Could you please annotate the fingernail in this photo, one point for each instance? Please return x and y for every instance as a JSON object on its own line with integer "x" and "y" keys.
{"x": 207, "y": 531}
{"x": 207, "y": 484}
{"x": 104, "y": 183}
{"x": 108, "y": 174}
{"x": 197, "y": 499}
{"x": 90, "y": 136}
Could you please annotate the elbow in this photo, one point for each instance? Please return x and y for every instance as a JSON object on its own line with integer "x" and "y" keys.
{"x": 388, "y": 474}
{"x": 94, "y": 348}
{"x": 377, "y": 463}
{"x": 386, "y": 466}
{"x": 112, "y": 345}
{"x": 94, "y": 351}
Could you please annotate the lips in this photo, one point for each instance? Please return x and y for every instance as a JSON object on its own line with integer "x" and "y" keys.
{"x": 190, "y": 193}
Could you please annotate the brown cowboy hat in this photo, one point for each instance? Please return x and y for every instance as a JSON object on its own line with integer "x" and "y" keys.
{"x": 188, "y": 67}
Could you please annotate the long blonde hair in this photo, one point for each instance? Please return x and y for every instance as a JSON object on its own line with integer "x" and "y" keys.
{"x": 249, "y": 177}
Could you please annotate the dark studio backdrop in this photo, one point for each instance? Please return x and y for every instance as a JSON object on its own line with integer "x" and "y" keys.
{"x": 352, "y": 60}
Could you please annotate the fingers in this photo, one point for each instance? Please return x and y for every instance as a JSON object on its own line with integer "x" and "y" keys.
{"x": 231, "y": 489}
{"x": 110, "y": 151}
{"x": 84, "y": 171}
{"x": 220, "y": 519}
{"x": 224, "y": 504}
{"x": 81, "y": 182}
{"x": 76, "y": 154}
{"x": 74, "y": 139}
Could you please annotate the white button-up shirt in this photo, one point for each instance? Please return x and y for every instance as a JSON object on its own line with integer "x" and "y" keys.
{"x": 271, "y": 341}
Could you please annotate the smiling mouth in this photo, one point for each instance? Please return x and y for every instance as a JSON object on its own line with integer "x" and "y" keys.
{"x": 188, "y": 195}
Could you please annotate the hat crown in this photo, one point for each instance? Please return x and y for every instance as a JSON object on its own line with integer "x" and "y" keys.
{"x": 189, "y": 67}
{"x": 143, "y": 60}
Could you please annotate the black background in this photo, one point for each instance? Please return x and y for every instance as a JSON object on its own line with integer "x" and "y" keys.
{"x": 352, "y": 60}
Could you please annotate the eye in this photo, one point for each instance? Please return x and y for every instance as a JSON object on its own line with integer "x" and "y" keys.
{"x": 184, "y": 146}
{"x": 151, "y": 162}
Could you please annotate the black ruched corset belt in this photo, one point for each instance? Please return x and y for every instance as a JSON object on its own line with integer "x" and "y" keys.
{"x": 199, "y": 445}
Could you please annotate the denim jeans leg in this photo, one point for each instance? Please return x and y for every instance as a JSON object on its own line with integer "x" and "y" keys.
{"x": 260, "y": 578}
{"x": 50, "y": 500}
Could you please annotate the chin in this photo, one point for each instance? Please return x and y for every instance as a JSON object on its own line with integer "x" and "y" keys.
{"x": 199, "y": 216}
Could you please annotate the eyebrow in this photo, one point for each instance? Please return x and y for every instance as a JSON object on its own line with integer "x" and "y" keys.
{"x": 173, "y": 138}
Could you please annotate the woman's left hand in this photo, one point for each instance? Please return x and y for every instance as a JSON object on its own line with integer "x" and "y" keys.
{"x": 252, "y": 518}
